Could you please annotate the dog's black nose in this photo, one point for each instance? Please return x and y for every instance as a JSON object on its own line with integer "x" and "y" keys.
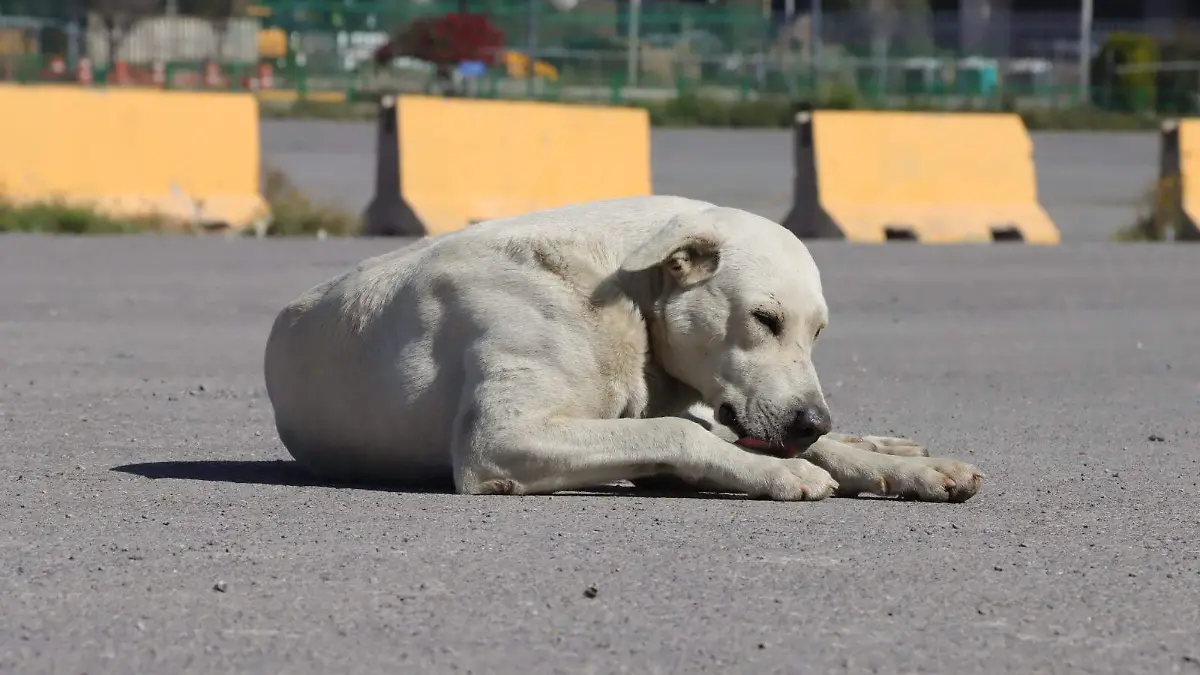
{"x": 810, "y": 423}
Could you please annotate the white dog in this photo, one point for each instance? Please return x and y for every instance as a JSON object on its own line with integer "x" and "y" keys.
{"x": 652, "y": 338}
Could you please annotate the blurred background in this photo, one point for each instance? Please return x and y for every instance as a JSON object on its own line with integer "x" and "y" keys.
{"x": 1111, "y": 55}
{"x": 1091, "y": 79}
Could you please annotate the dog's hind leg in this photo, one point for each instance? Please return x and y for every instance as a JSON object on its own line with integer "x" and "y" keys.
{"x": 887, "y": 445}
{"x": 858, "y": 471}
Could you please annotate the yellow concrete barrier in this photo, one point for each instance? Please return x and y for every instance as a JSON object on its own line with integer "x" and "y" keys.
{"x": 1179, "y": 174}
{"x": 189, "y": 157}
{"x": 871, "y": 176}
{"x": 446, "y": 163}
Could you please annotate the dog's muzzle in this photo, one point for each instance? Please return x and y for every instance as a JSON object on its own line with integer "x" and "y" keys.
{"x": 808, "y": 424}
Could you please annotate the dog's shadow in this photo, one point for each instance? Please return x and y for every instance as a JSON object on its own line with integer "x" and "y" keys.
{"x": 289, "y": 473}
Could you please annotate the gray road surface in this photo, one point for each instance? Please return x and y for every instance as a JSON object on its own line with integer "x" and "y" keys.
{"x": 1089, "y": 182}
{"x": 141, "y": 472}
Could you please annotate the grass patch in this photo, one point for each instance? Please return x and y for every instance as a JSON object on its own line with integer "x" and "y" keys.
{"x": 697, "y": 111}
{"x": 1160, "y": 216}
{"x": 58, "y": 217}
{"x": 293, "y": 214}
{"x": 691, "y": 110}
{"x": 1086, "y": 119}
{"x": 315, "y": 110}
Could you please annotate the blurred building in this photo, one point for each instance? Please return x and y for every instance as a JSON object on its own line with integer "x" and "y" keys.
{"x": 993, "y": 28}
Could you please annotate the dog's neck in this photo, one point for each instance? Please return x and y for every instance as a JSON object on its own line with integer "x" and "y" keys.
{"x": 647, "y": 290}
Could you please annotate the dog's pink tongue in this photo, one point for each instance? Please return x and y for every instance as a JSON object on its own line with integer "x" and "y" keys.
{"x": 755, "y": 444}
{"x": 752, "y": 443}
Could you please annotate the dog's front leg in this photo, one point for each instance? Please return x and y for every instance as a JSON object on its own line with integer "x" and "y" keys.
{"x": 858, "y": 470}
{"x": 886, "y": 445}
{"x": 702, "y": 415}
{"x": 539, "y": 457}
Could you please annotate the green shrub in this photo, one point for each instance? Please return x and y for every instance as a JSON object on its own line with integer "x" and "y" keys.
{"x": 294, "y": 214}
{"x": 1113, "y": 87}
{"x": 1179, "y": 90}
{"x": 693, "y": 109}
{"x": 842, "y": 97}
{"x": 761, "y": 113}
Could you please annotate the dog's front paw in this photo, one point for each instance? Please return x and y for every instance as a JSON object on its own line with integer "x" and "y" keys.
{"x": 795, "y": 480}
{"x": 931, "y": 480}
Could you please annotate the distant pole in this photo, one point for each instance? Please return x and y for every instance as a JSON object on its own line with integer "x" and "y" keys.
{"x": 815, "y": 20}
{"x": 785, "y": 31}
{"x": 635, "y": 15}
{"x": 1085, "y": 52}
{"x": 532, "y": 44}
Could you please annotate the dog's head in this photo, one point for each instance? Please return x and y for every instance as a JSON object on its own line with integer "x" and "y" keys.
{"x": 740, "y": 309}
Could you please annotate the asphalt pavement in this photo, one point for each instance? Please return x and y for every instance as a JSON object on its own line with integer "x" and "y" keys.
{"x": 154, "y": 524}
{"x": 1089, "y": 183}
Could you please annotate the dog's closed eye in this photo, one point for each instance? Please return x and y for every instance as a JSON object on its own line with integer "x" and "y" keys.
{"x": 772, "y": 321}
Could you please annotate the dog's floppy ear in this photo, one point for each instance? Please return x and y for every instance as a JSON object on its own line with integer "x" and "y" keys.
{"x": 688, "y": 249}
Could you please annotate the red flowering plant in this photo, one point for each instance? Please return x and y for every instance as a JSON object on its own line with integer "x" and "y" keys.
{"x": 446, "y": 41}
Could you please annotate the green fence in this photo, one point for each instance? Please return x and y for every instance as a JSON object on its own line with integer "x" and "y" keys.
{"x": 536, "y": 21}
{"x": 680, "y": 48}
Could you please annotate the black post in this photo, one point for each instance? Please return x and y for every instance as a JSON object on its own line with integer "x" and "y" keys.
{"x": 807, "y": 219}
{"x": 388, "y": 214}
